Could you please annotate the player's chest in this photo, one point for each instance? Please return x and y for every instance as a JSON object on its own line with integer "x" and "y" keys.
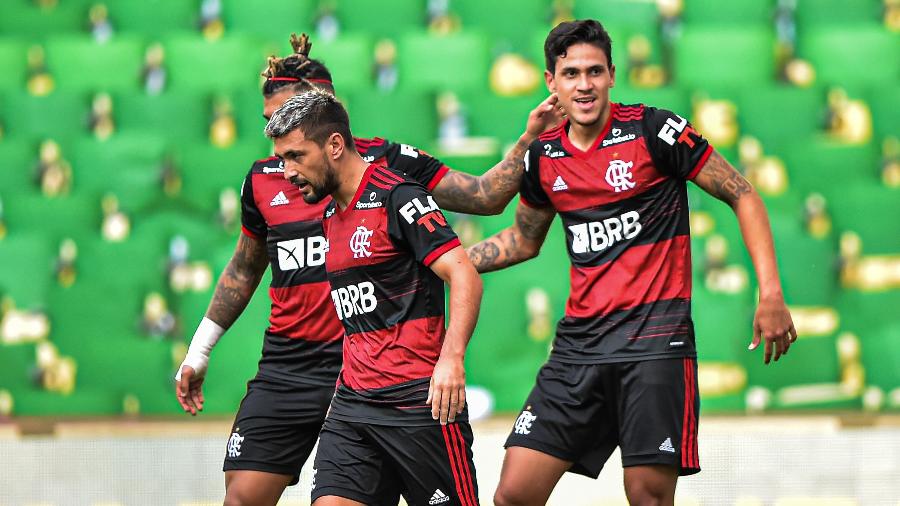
{"x": 357, "y": 238}
{"x": 605, "y": 175}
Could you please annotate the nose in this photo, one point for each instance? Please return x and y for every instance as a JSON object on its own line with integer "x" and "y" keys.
{"x": 289, "y": 171}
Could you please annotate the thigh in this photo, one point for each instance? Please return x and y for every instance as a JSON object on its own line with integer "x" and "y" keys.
{"x": 275, "y": 430}
{"x": 659, "y": 406}
{"x": 254, "y": 487}
{"x": 528, "y": 476}
{"x": 434, "y": 463}
{"x": 347, "y": 464}
{"x": 570, "y": 415}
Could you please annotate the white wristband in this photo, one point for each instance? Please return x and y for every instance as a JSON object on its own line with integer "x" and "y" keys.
{"x": 205, "y": 338}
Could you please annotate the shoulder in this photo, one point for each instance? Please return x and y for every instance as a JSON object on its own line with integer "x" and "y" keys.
{"x": 629, "y": 112}
{"x": 375, "y": 147}
{"x": 270, "y": 165}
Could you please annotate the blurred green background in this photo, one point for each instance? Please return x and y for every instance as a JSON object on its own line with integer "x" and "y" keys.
{"x": 126, "y": 129}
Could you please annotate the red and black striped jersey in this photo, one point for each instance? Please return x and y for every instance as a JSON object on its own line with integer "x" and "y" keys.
{"x": 302, "y": 342}
{"x": 624, "y": 209}
{"x": 389, "y": 301}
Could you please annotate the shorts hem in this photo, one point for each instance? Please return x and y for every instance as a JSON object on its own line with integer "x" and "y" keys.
{"x": 554, "y": 451}
{"x": 341, "y": 492}
{"x": 262, "y": 467}
{"x": 654, "y": 459}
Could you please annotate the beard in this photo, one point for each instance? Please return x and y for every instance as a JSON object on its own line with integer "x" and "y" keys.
{"x": 321, "y": 189}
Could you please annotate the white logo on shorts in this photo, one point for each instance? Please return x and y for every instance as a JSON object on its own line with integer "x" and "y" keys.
{"x": 666, "y": 446}
{"x": 234, "y": 445}
{"x": 523, "y": 423}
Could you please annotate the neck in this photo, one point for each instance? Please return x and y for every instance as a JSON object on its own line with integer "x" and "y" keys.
{"x": 583, "y": 136}
{"x": 350, "y": 169}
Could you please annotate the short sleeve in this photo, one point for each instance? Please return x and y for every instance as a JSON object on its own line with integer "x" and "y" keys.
{"x": 252, "y": 221}
{"x": 415, "y": 163}
{"x": 677, "y": 149}
{"x": 416, "y": 223}
{"x": 530, "y": 188}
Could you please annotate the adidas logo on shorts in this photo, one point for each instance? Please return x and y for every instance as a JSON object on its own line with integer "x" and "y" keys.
{"x": 666, "y": 446}
{"x": 438, "y": 498}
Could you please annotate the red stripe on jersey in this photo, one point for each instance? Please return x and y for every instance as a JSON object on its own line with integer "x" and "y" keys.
{"x": 434, "y": 255}
{"x": 554, "y": 133}
{"x": 388, "y": 175}
{"x": 438, "y": 176}
{"x": 376, "y": 177}
{"x": 383, "y": 186}
{"x": 468, "y": 482}
{"x": 701, "y": 162}
{"x": 454, "y": 467}
{"x": 641, "y": 274}
{"x": 381, "y": 358}
{"x": 249, "y": 233}
{"x": 269, "y": 159}
{"x": 304, "y": 312}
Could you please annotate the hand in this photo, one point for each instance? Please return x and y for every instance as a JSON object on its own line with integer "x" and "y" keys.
{"x": 545, "y": 116}
{"x": 773, "y": 323}
{"x": 447, "y": 390}
{"x": 189, "y": 391}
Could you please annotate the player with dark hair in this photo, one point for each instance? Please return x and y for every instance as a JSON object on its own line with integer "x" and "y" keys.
{"x": 279, "y": 418}
{"x": 400, "y": 407}
{"x": 623, "y": 368}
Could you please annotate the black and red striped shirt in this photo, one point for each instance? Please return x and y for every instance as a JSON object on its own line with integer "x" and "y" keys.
{"x": 302, "y": 342}
{"x": 389, "y": 301}
{"x": 623, "y": 205}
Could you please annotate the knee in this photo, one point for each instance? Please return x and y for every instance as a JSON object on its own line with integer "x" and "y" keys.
{"x": 648, "y": 494}
{"x": 240, "y": 498}
{"x": 505, "y": 496}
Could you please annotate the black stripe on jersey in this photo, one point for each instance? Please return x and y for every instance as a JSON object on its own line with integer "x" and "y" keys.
{"x": 397, "y": 285}
{"x": 297, "y": 253}
{"x": 630, "y": 333}
{"x": 287, "y": 360}
{"x": 597, "y": 235}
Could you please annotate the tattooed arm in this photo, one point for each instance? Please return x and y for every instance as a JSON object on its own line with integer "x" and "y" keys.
{"x": 773, "y": 320}
{"x": 233, "y": 291}
{"x": 489, "y": 193}
{"x": 522, "y": 241}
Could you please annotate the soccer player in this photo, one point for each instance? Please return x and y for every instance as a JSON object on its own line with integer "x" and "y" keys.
{"x": 400, "y": 406}
{"x": 279, "y": 418}
{"x": 623, "y": 368}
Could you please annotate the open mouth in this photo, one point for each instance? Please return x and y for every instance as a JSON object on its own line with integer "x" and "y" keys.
{"x": 300, "y": 183}
{"x": 585, "y": 102}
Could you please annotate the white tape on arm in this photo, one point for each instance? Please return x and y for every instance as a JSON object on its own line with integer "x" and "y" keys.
{"x": 205, "y": 338}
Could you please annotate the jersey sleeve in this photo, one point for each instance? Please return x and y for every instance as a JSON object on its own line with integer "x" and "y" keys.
{"x": 677, "y": 149}
{"x": 252, "y": 221}
{"x": 415, "y": 163}
{"x": 530, "y": 188}
{"x": 417, "y": 224}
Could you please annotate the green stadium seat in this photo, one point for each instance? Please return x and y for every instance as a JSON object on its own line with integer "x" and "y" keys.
{"x": 17, "y": 165}
{"x": 776, "y": 115}
{"x": 368, "y": 116}
{"x": 59, "y": 116}
{"x": 153, "y": 18}
{"x": 521, "y": 20}
{"x": 104, "y": 157}
{"x": 820, "y": 351}
{"x": 27, "y": 259}
{"x": 808, "y": 266}
{"x": 826, "y": 166}
{"x": 24, "y": 19}
{"x": 364, "y": 16}
{"x": 713, "y": 12}
{"x": 884, "y": 102}
{"x": 206, "y": 170}
{"x": 13, "y": 63}
{"x": 457, "y": 62}
{"x": 75, "y": 216}
{"x": 619, "y": 13}
{"x": 880, "y": 347}
{"x": 834, "y": 13}
{"x": 230, "y": 63}
{"x": 870, "y": 210}
{"x": 501, "y": 117}
{"x": 77, "y": 63}
{"x": 248, "y": 113}
{"x": 182, "y": 117}
{"x": 271, "y": 19}
{"x": 725, "y": 57}
{"x": 860, "y": 55}
{"x": 350, "y": 60}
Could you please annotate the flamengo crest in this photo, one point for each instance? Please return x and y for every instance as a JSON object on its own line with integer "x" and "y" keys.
{"x": 618, "y": 175}
{"x": 360, "y": 242}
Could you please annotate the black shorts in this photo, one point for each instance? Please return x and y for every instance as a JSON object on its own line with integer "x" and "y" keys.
{"x": 581, "y": 412}
{"x": 276, "y": 427}
{"x": 430, "y": 465}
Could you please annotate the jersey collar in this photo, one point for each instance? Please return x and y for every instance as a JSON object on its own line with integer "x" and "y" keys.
{"x": 571, "y": 148}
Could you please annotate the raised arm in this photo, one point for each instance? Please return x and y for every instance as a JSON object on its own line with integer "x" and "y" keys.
{"x": 489, "y": 193}
{"x": 233, "y": 291}
{"x": 772, "y": 321}
{"x": 447, "y": 391}
{"x": 522, "y": 241}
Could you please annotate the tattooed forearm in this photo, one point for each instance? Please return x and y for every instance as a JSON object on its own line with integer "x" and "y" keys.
{"x": 487, "y": 194}
{"x": 722, "y": 181}
{"x": 513, "y": 245}
{"x": 238, "y": 281}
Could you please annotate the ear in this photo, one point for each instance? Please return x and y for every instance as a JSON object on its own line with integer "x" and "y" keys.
{"x": 335, "y": 145}
{"x": 551, "y": 83}
{"x": 612, "y": 76}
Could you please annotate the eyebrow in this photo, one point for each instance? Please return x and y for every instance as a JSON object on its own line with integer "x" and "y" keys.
{"x": 576, "y": 69}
